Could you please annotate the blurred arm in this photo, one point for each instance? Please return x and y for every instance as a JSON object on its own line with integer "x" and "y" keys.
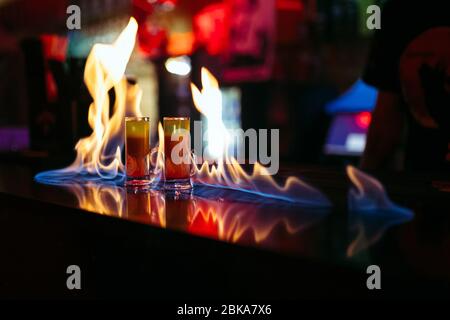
{"x": 385, "y": 132}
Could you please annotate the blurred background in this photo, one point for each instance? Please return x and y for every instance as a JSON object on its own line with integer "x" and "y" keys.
{"x": 294, "y": 65}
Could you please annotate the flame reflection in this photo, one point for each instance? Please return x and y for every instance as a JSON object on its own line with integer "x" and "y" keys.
{"x": 223, "y": 218}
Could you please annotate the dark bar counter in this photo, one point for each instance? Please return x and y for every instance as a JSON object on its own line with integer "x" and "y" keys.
{"x": 220, "y": 244}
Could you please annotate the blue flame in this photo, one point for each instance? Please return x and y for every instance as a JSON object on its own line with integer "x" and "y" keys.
{"x": 324, "y": 203}
{"x": 62, "y": 177}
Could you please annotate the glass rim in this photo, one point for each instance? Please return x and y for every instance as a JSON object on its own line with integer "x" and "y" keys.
{"x": 137, "y": 118}
{"x": 176, "y": 118}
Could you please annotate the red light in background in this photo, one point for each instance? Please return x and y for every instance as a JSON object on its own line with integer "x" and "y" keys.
{"x": 210, "y": 28}
{"x": 54, "y": 47}
{"x": 363, "y": 119}
{"x": 289, "y": 5}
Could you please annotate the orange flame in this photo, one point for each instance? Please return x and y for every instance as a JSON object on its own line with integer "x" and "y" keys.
{"x": 158, "y": 163}
{"x": 100, "y": 153}
{"x": 226, "y": 171}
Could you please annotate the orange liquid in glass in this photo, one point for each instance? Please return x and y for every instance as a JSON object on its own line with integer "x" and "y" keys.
{"x": 137, "y": 148}
{"x": 175, "y": 171}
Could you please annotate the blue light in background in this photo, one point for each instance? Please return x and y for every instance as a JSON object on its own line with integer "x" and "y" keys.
{"x": 360, "y": 97}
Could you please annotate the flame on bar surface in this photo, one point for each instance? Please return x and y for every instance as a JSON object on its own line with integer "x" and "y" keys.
{"x": 369, "y": 195}
{"x": 226, "y": 172}
{"x": 99, "y": 155}
{"x": 371, "y": 211}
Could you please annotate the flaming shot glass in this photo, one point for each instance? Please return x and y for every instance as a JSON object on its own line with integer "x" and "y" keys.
{"x": 137, "y": 150}
{"x": 177, "y": 154}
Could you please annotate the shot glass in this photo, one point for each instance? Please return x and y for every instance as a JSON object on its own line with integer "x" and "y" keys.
{"x": 137, "y": 150}
{"x": 177, "y": 154}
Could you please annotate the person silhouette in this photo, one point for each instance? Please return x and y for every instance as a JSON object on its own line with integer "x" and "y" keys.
{"x": 409, "y": 63}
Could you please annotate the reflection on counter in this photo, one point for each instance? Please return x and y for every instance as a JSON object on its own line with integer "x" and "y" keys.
{"x": 369, "y": 227}
{"x": 237, "y": 217}
{"x": 227, "y": 216}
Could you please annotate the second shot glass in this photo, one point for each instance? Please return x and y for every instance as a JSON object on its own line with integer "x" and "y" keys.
{"x": 177, "y": 154}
